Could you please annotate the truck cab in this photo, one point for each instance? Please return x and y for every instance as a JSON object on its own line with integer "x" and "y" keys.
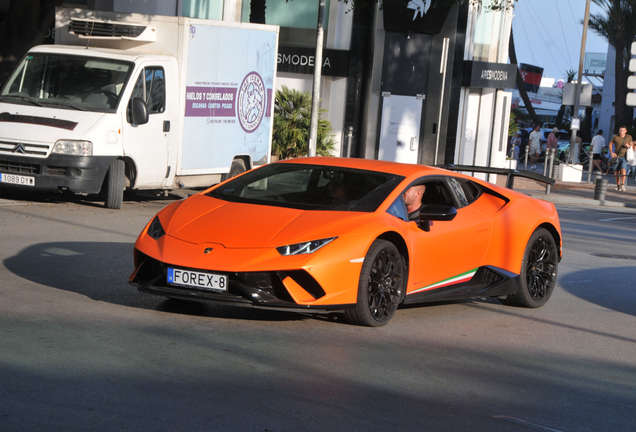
{"x": 68, "y": 123}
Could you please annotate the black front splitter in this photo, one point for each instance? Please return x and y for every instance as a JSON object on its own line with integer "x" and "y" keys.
{"x": 238, "y": 301}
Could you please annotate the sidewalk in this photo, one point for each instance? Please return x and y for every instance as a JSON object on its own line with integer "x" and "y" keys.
{"x": 582, "y": 193}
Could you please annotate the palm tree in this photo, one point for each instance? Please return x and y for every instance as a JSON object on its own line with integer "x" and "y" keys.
{"x": 292, "y": 116}
{"x": 512, "y": 53}
{"x": 618, "y": 26}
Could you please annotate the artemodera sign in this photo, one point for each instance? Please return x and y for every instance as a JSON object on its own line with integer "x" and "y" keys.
{"x": 489, "y": 75}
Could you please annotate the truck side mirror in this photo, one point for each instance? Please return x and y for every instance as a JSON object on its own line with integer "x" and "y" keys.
{"x": 430, "y": 213}
{"x": 139, "y": 111}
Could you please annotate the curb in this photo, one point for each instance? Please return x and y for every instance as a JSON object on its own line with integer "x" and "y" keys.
{"x": 566, "y": 200}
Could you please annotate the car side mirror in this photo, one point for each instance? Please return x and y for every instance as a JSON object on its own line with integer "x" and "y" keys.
{"x": 430, "y": 213}
{"x": 139, "y": 112}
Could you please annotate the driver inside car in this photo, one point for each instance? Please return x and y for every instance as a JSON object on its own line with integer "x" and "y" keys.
{"x": 413, "y": 200}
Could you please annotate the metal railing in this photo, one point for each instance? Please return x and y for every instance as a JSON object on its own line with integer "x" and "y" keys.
{"x": 509, "y": 173}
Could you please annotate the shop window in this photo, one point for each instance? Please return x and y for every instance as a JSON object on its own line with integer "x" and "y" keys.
{"x": 206, "y": 9}
{"x": 490, "y": 34}
{"x": 285, "y": 13}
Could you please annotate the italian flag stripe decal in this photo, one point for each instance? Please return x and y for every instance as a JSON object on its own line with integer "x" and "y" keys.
{"x": 464, "y": 277}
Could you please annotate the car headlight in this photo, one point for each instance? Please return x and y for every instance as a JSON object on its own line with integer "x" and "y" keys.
{"x": 304, "y": 247}
{"x": 155, "y": 230}
{"x": 75, "y": 148}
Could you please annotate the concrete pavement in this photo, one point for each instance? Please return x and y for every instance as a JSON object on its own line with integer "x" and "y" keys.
{"x": 579, "y": 193}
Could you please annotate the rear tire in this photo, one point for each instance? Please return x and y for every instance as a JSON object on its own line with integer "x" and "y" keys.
{"x": 538, "y": 271}
{"x": 115, "y": 179}
{"x": 381, "y": 286}
{"x": 238, "y": 167}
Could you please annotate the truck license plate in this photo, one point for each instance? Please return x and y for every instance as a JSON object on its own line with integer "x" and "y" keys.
{"x": 17, "y": 179}
{"x": 194, "y": 279}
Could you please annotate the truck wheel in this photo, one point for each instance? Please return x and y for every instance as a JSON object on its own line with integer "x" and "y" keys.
{"x": 115, "y": 184}
{"x": 238, "y": 167}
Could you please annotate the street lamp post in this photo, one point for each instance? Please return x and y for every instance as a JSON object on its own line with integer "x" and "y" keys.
{"x": 315, "y": 93}
{"x": 577, "y": 95}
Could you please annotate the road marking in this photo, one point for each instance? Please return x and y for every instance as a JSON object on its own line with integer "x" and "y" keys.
{"x": 517, "y": 420}
{"x": 577, "y": 281}
{"x": 615, "y": 219}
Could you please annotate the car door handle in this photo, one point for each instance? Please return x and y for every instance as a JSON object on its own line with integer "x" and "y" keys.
{"x": 483, "y": 227}
{"x": 413, "y": 143}
{"x": 166, "y": 125}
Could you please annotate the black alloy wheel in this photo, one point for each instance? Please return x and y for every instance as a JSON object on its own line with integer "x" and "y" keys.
{"x": 538, "y": 271}
{"x": 381, "y": 286}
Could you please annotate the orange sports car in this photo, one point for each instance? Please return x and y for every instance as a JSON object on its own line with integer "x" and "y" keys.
{"x": 362, "y": 236}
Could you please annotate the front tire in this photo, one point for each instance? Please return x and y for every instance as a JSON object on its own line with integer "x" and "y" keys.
{"x": 381, "y": 286}
{"x": 115, "y": 179}
{"x": 538, "y": 271}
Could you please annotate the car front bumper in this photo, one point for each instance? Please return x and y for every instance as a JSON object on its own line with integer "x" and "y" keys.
{"x": 78, "y": 174}
{"x": 280, "y": 290}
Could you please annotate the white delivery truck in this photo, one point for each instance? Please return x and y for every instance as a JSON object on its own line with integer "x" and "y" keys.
{"x": 131, "y": 101}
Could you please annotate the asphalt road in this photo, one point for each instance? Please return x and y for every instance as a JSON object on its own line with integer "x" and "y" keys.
{"x": 80, "y": 349}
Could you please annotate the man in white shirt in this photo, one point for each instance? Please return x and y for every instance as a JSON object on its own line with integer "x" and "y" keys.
{"x": 598, "y": 142}
{"x": 535, "y": 146}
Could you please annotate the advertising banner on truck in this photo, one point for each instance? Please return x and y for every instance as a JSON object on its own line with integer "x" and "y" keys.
{"x": 229, "y": 96}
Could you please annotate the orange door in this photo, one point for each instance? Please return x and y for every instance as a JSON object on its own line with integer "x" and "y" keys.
{"x": 449, "y": 250}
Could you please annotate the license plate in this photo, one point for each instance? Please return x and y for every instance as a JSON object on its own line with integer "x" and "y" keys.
{"x": 17, "y": 179}
{"x": 194, "y": 279}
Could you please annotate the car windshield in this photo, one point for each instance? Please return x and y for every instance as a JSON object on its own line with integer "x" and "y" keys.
{"x": 310, "y": 187}
{"x": 67, "y": 82}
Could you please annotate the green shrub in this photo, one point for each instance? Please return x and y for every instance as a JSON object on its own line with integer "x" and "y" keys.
{"x": 292, "y": 118}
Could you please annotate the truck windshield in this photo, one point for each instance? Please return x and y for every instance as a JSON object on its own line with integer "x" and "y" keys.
{"x": 68, "y": 82}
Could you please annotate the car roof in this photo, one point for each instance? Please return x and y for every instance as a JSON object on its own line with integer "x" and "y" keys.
{"x": 402, "y": 169}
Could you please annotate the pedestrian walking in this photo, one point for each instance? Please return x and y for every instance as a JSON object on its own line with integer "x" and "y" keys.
{"x": 618, "y": 149}
{"x": 553, "y": 140}
{"x": 535, "y": 146}
{"x": 516, "y": 142}
{"x": 575, "y": 150}
{"x": 630, "y": 156}
{"x": 598, "y": 142}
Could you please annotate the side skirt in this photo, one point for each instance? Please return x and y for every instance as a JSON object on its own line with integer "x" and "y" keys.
{"x": 487, "y": 281}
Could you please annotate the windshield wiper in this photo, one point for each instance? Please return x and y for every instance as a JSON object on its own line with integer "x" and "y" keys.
{"x": 66, "y": 105}
{"x": 23, "y": 98}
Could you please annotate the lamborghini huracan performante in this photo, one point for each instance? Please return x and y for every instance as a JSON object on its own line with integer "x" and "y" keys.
{"x": 329, "y": 234}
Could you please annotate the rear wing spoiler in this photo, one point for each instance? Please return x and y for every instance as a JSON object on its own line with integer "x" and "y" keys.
{"x": 509, "y": 173}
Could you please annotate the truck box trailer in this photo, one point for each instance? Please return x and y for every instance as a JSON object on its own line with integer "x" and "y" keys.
{"x": 131, "y": 101}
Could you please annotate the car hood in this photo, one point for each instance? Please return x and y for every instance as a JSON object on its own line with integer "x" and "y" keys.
{"x": 44, "y": 125}
{"x": 203, "y": 219}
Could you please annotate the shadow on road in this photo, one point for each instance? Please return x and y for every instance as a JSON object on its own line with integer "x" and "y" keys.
{"x": 100, "y": 271}
{"x": 585, "y": 285}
